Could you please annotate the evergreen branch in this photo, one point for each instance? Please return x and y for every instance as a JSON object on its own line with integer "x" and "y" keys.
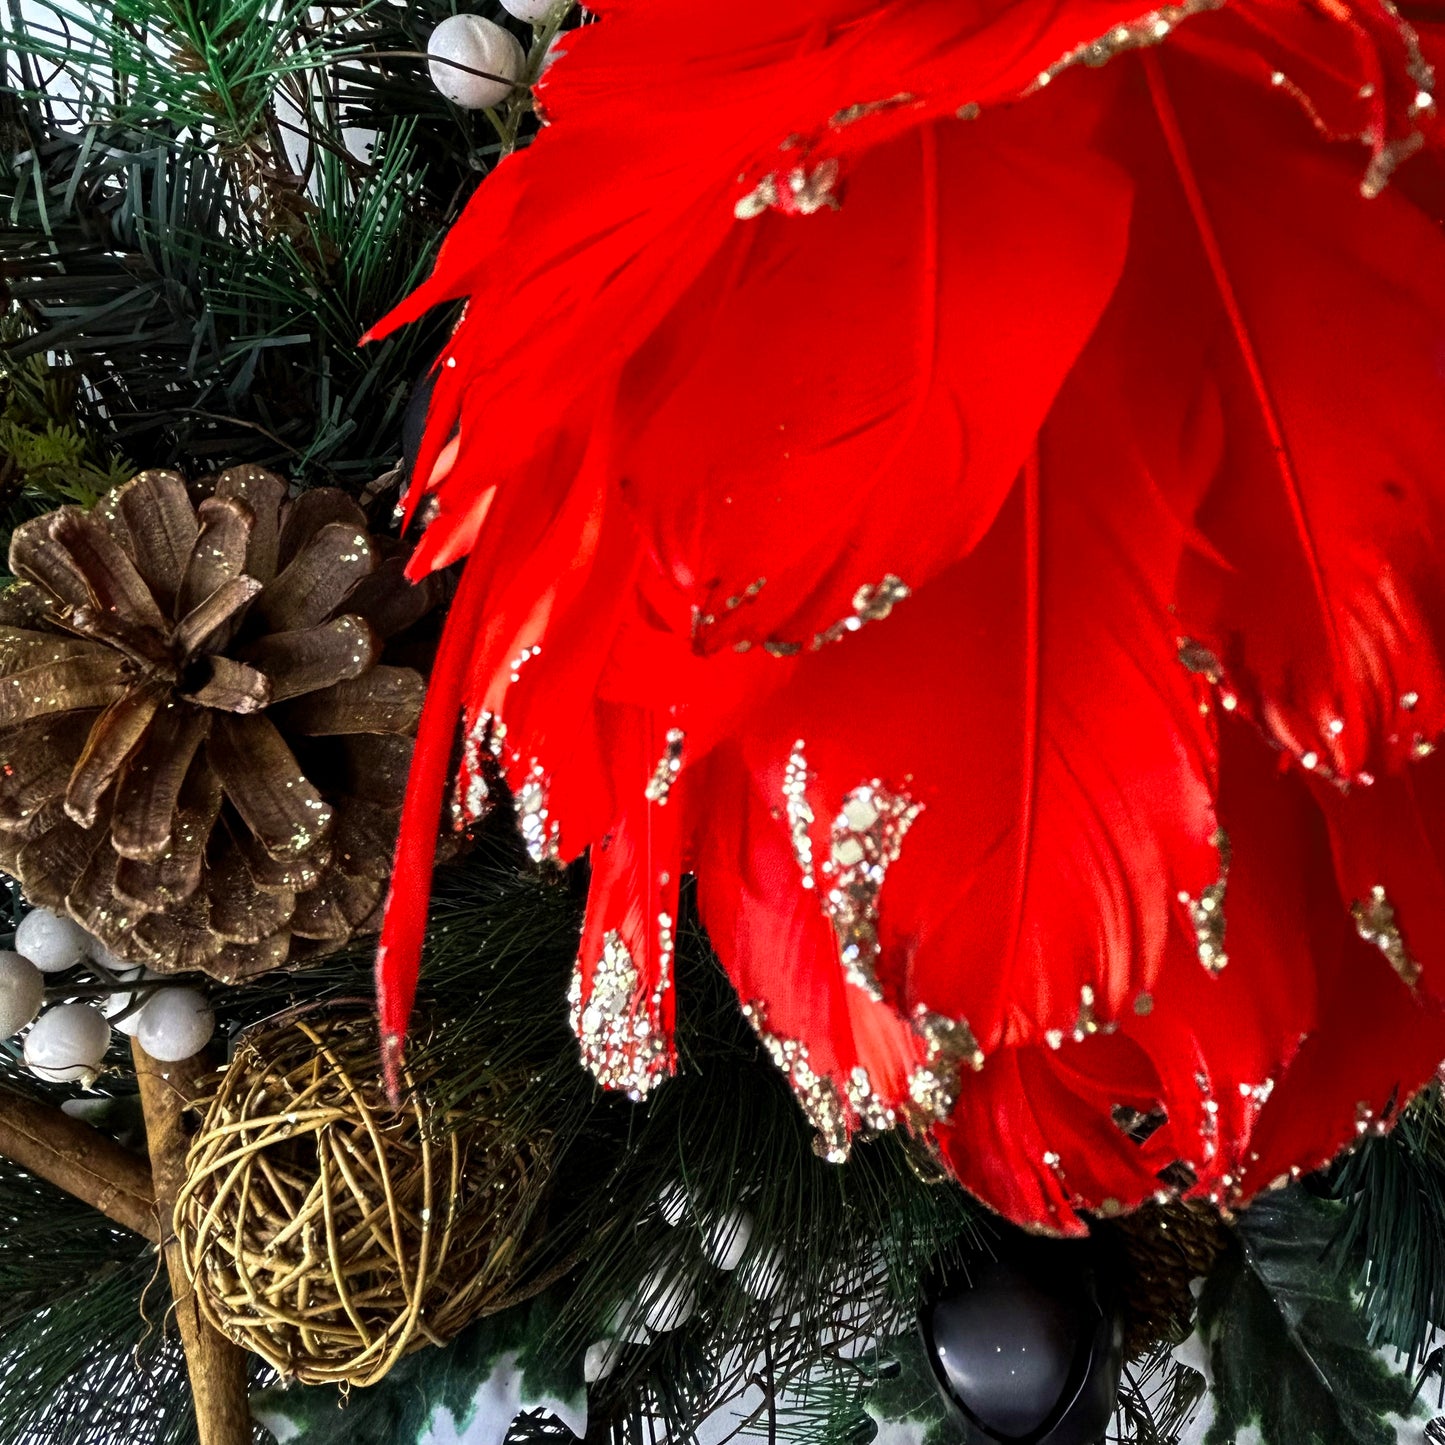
{"x": 208, "y": 203}
{"x": 87, "y": 1368}
{"x": 1157, "y": 1399}
{"x": 50, "y": 1244}
{"x": 1392, "y": 1239}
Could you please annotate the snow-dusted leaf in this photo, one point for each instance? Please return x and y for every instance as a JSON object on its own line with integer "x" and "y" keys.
{"x": 905, "y": 1403}
{"x": 465, "y": 1394}
{"x": 1284, "y": 1346}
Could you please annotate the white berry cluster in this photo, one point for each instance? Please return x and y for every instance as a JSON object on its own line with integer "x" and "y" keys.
{"x": 477, "y": 63}
{"x": 667, "y": 1298}
{"x": 67, "y": 1042}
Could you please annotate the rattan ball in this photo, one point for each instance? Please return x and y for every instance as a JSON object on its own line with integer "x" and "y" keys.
{"x": 332, "y": 1234}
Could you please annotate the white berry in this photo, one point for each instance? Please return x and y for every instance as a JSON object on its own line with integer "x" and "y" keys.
{"x": 110, "y": 962}
{"x": 67, "y": 1044}
{"x": 50, "y": 942}
{"x": 726, "y": 1239}
{"x": 762, "y": 1275}
{"x": 476, "y": 43}
{"x": 118, "y": 1003}
{"x": 670, "y": 1301}
{"x": 673, "y": 1204}
{"x": 601, "y": 1359}
{"x": 532, "y": 11}
{"x": 175, "y": 1024}
{"x": 627, "y": 1324}
{"x": 22, "y": 990}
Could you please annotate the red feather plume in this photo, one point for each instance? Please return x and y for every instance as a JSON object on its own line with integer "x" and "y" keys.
{"x": 967, "y": 481}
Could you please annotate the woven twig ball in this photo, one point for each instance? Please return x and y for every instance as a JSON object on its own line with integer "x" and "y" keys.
{"x": 332, "y": 1234}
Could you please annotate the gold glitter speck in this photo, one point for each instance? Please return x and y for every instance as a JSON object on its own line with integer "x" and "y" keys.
{"x": 481, "y": 748}
{"x": 801, "y": 192}
{"x": 1148, "y": 29}
{"x": 872, "y": 1112}
{"x": 619, "y": 1032}
{"x": 933, "y": 1087}
{"x": 669, "y": 765}
{"x": 799, "y": 811}
{"x": 1199, "y": 660}
{"x": 852, "y": 113}
{"x": 1375, "y": 922}
{"x": 539, "y": 829}
{"x": 871, "y": 603}
{"x": 867, "y": 836}
{"x": 1206, "y": 912}
{"x": 821, "y": 1100}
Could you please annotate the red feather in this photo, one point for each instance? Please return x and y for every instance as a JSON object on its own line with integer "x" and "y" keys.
{"x": 790, "y": 406}
{"x": 1329, "y": 509}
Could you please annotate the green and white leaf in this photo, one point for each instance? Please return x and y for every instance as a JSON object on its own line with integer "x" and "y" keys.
{"x": 467, "y": 1393}
{"x": 1284, "y": 1346}
{"x": 905, "y": 1403}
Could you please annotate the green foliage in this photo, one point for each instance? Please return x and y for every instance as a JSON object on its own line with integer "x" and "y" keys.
{"x": 1158, "y": 1398}
{"x": 50, "y": 1246}
{"x": 851, "y": 1243}
{"x": 79, "y": 1361}
{"x": 1392, "y": 1232}
{"x": 906, "y": 1394}
{"x": 86, "y": 1368}
{"x": 1287, "y": 1348}
{"x": 86, "y": 1351}
{"x": 45, "y": 456}
{"x": 500, "y": 1366}
{"x": 207, "y": 202}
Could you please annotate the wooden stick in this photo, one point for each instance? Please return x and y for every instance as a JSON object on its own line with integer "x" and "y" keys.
{"x": 216, "y": 1366}
{"x": 80, "y": 1160}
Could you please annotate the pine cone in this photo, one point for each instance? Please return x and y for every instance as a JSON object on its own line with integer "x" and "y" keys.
{"x": 204, "y": 751}
{"x": 1167, "y": 1246}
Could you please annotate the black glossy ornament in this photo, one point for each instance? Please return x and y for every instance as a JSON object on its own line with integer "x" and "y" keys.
{"x": 1027, "y": 1347}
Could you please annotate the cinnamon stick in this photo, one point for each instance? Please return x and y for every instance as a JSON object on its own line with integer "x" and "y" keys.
{"x": 216, "y": 1366}
{"x": 80, "y": 1160}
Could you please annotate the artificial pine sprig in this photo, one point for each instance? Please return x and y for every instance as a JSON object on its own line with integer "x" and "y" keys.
{"x": 1391, "y": 1238}
{"x": 208, "y": 203}
{"x": 46, "y": 457}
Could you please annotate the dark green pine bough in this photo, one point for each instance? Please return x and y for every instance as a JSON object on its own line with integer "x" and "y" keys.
{"x": 203, "y": 203}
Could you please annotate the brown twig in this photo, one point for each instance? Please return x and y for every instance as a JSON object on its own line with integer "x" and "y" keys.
{"x": 78, "y": 1159}
{"x": 216, "y": 1366}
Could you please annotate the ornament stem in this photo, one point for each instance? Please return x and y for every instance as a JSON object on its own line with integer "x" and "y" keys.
{"x": 217, "y": 1367}
{"x": 80, "y": 1160}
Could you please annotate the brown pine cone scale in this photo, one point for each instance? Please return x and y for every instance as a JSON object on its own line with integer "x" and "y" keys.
{"x": 203, "y": 748}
